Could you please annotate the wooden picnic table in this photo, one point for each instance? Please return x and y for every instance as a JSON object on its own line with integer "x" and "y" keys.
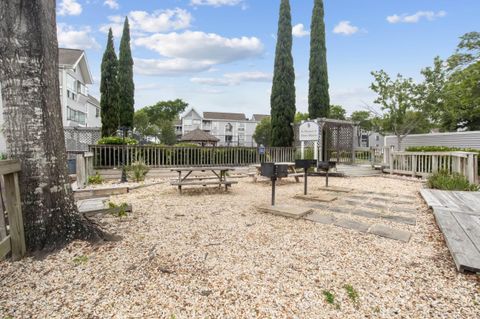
{"x": 219, "y": 177}
{"x": 292, "y": 171}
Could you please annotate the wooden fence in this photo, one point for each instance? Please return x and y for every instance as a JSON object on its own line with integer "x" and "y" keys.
{"x": 425, "y": 163}
{"x": 12, "y": 238}
{"x": 112, "y": 156}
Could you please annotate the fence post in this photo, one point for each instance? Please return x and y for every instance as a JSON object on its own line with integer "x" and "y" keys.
{"x": 471, "y": 172}
{"x": 434, "y": 163}
{"x": 81, "y": 172}
{"x": 15, "y": 218}
{"x": 391, "y": 162}
{"x": 414, "y": 165}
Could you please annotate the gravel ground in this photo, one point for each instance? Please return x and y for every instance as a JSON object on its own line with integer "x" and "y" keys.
{"x": 210, "y": 254}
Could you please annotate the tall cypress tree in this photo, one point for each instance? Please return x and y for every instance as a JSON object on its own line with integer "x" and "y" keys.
{"x": 282, "y": 100}
{"x": 318, "y": 98}
{"x": 109, "y": 89}
{"x": 125, "y": 79}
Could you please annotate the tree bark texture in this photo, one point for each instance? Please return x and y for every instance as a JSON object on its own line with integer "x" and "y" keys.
{"x": 33, "y": 123}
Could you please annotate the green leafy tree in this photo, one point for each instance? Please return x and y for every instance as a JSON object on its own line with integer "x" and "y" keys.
{"x": 337, "y": 112}
{"x": 109, "y": 89}
{"x": 299, "y": 117}
{"x": 165, "y": 111}
{"x": 318, "y": 97}
{"x": 143, "y": 126}
{"x": 402, "y": 103}
{"x": 125, "y": 79}
{"x": 282, "y": 100}
{"x": 167, "y": 133}
{"x": 364, "y": 119}
{"x": 263, "y": 132}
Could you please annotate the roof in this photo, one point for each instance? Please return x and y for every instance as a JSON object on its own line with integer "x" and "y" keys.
{"x": 259, "y": 117}
{"x": 93, "y": 100}
{"x": 69, "y": 56}
{"x": 224, "y": 116}
{"x": 199, "y": 136}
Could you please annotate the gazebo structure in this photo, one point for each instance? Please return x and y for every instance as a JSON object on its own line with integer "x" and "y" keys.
{"x": 329, "y": 139}
{"x": 200, "y": 137}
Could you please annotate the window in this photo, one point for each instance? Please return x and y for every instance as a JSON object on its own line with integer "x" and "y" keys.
{"x": 377, "y": 138}
{"x": 228, "y": 139}
{"x": 76, "y": 116}
{"x": 97, "y": 112}
{"x": 196, "y": 122}
{"x": 187, "y": 121}
{"x": 228, "y": 128}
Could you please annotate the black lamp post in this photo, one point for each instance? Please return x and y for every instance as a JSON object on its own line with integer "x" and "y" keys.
{"x": 124, "y": 130}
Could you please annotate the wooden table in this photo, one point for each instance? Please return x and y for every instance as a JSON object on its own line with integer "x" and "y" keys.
{"x": 219, "y": 177}
{"x": 292, "y": 171}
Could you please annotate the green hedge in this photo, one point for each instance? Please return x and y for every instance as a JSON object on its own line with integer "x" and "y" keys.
{"x": 445, "y": 180}
{"x": 440, "y": 149}
{"x": 116, "y": 140}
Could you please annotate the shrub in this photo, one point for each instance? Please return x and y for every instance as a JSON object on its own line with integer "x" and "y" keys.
{"x": 116, "y": 140}
{"x": 95, "y": 179}
{"x": 445, "y": 180}
{"x": 122, "y": 209}
{"x": 138, "y": 170}
{"x": 186, "y": 145}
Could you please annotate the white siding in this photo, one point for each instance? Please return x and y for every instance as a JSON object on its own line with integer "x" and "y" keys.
{"x": 453, "y": 139}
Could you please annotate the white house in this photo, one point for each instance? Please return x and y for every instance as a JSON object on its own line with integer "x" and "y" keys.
{"x": 232, "y": 129}
{"x": 79, "y": 109}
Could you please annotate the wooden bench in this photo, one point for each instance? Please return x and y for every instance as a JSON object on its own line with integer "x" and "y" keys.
{"x": 192, "y": 182}
{"x": 255, "y": 176}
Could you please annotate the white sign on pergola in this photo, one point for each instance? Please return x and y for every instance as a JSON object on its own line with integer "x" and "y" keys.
{"x": 309, "y": 132}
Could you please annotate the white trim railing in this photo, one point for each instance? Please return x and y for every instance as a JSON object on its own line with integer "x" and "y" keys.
{"x": 425, "y": 163}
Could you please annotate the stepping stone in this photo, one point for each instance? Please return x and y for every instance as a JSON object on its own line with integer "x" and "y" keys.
{"x": 367, "y": 214}
{"x": 358, "y": 197}
{"x": 403, "y": 210}
{"x": 375, "y": 205}
{"x": 352, "y": 202}
{"x": 318, "y": 206}
{"x": 392, "y": 233}
{"x": 352, "y": 224}
{"x": 316, "y": 197}
{"x": 341, "y": 210}
{"x": 295, "y": 212}
{"x": 401, "y": 219}
{"x": 380, "y": 199}
{"x": 321, "y": 219}
{"x": 336, "y": 189}
{"x": 403, "y": 202}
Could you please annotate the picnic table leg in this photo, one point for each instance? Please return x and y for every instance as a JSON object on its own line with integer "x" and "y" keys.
{"x": 180, "y": 181}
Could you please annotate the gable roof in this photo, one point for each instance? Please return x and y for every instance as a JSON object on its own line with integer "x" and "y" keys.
{"x": 69, "y": 56}
{"x": 93, "y": 100}
{"x": 199, "y": 136}
{"x": 259, "y": 117}
{"x": 224, "y": 116}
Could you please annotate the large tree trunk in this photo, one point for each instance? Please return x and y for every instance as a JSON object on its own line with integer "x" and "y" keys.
{"x": 33, "y": 123}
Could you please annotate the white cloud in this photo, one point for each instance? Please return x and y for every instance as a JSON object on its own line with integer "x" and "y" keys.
{"x": 208, "y": 48}
{"x": 414, "y": 18}
{"x": 230, "y": 79}
{"x": 158, "y": 21}
{"x": 345, "y": 28}
{"x": 71, "y": 38}
{"x": 299, "y": 31}
{"x": 216, "y": 3}
{"x": 169, "y": 67}
{"x": 69, "y": 8}
{"x": 112, "y": 4}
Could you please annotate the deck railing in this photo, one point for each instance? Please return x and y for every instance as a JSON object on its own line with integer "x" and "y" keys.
{"x": 113, "y": 156}
{"x": 425, "y": 163}
{"x": 12, "y": 238}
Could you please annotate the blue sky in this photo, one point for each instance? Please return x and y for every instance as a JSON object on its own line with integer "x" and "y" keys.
{"x": 218, "y": 55}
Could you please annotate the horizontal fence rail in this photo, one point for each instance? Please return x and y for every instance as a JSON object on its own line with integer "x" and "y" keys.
{"x": 425, "y": 163}
{"x": 113, "y": 156}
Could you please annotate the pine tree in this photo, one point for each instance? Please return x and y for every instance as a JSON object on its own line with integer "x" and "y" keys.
{"x": 282, "y": 100}
{"x": 125, "y": 79}
{"x": 109, "y": 89}
{"x": 318, "y": 98}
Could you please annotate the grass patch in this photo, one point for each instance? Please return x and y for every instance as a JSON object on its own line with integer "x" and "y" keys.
{"x": 83, "y": 259}
{"x": 118, "y": 210}
{"x": 352, "y": 293}
{"x": 95, "y": 179}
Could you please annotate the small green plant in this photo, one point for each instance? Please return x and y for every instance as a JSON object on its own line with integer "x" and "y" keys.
{"x": 3, "y": 156}
{"x": 118, "y": 210}
{"x": 445, "y": 180}
{"x": 95, "y": 179}
{"x": 138, "y": 170}
{"x": 352, "y": 293}
{"x": 82, "y": 259}
{"x": 329, "y": 297}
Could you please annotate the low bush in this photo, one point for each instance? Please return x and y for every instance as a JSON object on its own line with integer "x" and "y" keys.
{"x": 116, "y": 140}
{"x": 138, "y": 170}
{"x": 95, "y": 179}
{"x": 445, "y": 180}
{"x": 186, "y": 145}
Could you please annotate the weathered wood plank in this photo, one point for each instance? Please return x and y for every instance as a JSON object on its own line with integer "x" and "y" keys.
{"x": 9, "y": 166}
{"x": 5, "y": 247}
{"x": 464, "y": 252}
{"x": 15, "y": 218}
{"x": 471, "y": 226}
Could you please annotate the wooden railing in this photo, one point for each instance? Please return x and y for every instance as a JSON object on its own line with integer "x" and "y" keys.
{"x": 12, "y": 238}
{"x": 113, "y": 156}
{"x": 425, "y": 163}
